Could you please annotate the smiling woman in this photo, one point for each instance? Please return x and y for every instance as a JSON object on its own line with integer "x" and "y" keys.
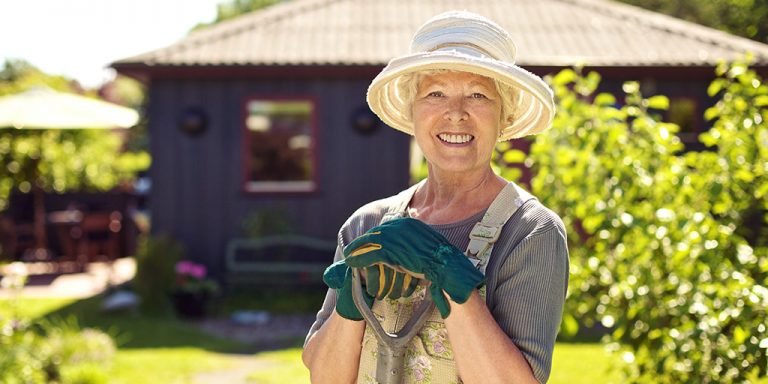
{"x": 457, "y": 120}
{"x": 489, "y": 314}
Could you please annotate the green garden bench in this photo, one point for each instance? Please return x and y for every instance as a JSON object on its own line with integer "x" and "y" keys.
{"x": 292, "y": 259}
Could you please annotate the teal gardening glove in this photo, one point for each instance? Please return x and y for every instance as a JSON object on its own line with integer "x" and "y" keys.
{"x": 339, "y": 277}
{"x": 381, "y": 281}
{"x": 411, "y": 246}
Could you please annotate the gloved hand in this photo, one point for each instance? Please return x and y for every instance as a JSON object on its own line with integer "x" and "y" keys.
{"x": 382, "y": 281}
{"x": 411, "y": 246}
{"x": 339, "y": 277}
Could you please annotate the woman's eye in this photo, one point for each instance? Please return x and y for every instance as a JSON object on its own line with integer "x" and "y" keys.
{"x": 435, "y": 94}
{"x": 478, "y": 95}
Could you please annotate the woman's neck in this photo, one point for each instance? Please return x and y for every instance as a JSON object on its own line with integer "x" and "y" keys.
{"x": 447, "y": 198}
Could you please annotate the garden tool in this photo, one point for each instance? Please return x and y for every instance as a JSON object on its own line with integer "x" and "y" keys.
{"x": 390, "y": 360}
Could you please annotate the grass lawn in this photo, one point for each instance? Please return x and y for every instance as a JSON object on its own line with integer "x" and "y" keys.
{"x": 165, "y": 350}
{"x": 573, "y": 364}
{"x": 150, "y": 350}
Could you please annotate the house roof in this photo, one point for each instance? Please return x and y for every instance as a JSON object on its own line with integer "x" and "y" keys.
{"x": 368, "y": 32}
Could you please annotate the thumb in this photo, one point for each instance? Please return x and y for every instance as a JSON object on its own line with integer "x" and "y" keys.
{"x": 334, "y": 275}
{"x": 441, "y": 302}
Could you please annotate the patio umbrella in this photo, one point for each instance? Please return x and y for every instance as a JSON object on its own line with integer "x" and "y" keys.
{"x": 44, "y": 108}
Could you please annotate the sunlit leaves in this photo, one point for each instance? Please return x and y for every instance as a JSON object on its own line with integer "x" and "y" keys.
{"x": 59, "y": 161}
{"x": 667, "y": 249}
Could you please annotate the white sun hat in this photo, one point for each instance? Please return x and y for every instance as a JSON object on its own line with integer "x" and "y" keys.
{"x": 467, "y": 42}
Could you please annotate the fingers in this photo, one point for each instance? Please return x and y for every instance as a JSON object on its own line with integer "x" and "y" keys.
{"x": 367, "y": 240}
{"x": 372, "y": 280}
{"x": 410, "y": 284}
{"x": 384, "y": 281}
{"x": 400, "y": 285}
{"x": 364, "y": 251}
{"x": 366, "y": 257}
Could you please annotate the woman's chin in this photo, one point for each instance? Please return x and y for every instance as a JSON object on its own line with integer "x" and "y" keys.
{"x": 453, "y": 166}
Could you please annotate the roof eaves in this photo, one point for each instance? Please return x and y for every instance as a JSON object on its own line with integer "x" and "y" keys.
{"x": 225, "y": 29}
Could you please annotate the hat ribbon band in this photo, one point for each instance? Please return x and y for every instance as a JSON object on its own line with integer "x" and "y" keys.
{"x": 462, "y": 45}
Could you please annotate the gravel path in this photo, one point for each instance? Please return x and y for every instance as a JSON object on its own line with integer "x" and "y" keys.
{"x": 270, "y": 332}
{"x": 243, "y": 365}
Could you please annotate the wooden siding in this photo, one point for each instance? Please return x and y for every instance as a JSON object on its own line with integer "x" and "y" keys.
{"x": 197, "y": 193}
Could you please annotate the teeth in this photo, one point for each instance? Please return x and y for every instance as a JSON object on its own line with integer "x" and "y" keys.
{"x": 455, "y": 139}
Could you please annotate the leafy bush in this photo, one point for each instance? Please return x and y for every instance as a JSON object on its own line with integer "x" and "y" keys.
{"x": 668, "y": 250}
{"x": 155, "y": 277}
{"x": 55, "y": 351}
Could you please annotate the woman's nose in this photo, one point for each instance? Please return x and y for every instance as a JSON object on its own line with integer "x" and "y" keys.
{"x": 455, "y": 110}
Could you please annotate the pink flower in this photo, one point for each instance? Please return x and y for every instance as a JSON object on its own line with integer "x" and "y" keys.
{"x": 438, "y": 347}
{"x": 189, "y": 268}
{"x": 198, "y": 271}
{"x": 418, "y": 374}
{"x": 183, "y": 267}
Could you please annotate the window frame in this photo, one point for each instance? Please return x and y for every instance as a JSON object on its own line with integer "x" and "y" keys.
{"x": 309, "y": 186}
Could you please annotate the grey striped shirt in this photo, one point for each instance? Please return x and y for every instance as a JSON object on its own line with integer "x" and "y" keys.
{"x": 527, "y": 275}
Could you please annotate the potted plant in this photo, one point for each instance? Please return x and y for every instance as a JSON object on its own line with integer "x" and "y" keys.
{"x": 192, "y": 290}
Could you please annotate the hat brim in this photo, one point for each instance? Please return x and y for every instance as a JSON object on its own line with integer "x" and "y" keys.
{"x": 534, "y": 106}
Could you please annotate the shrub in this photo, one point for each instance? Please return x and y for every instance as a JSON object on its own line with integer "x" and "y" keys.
{"x": 156, "y": 258}
{"x": 55, "y": 351}
{"x": 660, "y": 252}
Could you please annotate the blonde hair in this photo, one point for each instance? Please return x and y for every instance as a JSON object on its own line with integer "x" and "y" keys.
{"x": 407, "y": 86}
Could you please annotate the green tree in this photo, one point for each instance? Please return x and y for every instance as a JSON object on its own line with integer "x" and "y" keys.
{"x": 232, "y": 8}
{"x": 746, "y": 18}
{"x": 18, "y": 75}
{"x": 58, "y": 160}
{"x": 658, "y": 252}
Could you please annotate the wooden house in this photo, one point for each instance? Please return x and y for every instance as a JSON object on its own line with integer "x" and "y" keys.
{"x": 266, "y": 112}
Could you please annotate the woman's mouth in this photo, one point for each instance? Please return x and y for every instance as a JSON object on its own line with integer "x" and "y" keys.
{"x": 455, "y": 139}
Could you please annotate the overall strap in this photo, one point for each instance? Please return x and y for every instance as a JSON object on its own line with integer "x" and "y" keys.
{"x": 400, "y": 208}
{"x": 485, "y": 233}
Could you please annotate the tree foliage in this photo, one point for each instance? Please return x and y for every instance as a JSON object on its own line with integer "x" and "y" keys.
{"x": 668, "y": 250}
{"x": 230, "y": 9}
{"x": 18, "y": 76}
{"x": 746, "y": 18}
{"x": 58, "y": 160}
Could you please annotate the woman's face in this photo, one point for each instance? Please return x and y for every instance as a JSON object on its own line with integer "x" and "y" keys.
{"x": 457, "y": 118}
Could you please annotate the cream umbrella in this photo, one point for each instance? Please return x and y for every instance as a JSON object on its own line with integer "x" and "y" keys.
{"x": 44, "y": 108}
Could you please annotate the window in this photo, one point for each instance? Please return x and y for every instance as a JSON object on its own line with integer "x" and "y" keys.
{"x": 280, "y": 146}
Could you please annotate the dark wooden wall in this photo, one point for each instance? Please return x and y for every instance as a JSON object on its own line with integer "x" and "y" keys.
{"x": 197, "y": 194}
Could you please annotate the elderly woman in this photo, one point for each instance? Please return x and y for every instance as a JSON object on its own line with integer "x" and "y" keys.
{"x": 498, "y": 305}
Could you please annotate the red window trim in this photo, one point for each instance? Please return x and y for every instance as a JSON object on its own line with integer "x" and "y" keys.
{"x": 279, "y": 187}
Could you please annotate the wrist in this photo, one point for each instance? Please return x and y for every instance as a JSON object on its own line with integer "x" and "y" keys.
{"x": 473, "y": 297}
